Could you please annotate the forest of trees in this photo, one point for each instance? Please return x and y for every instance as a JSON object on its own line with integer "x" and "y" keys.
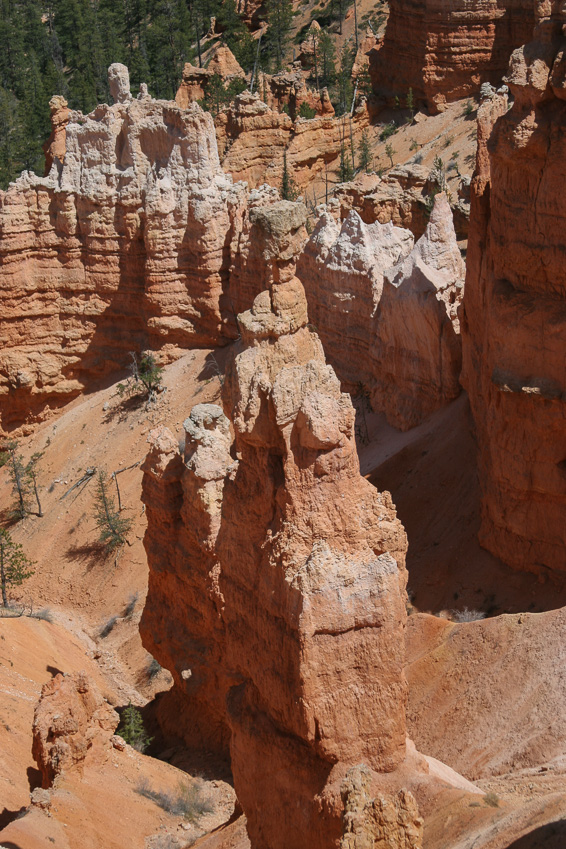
{"x": 65, "y": 47}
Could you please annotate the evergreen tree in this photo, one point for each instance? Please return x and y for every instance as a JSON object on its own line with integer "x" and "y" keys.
{"x": 346, "y": 172}
{"x": 345, "y": 87}
{"x": 235, "y": 34}
{"x": 15, "y": 567}
{"x": 19, "y": 478}
{"x": 364, "y": 152}
{"x": 390, "y": 152}
{"x": 132, "y": 730}
{"x": 279, "y": 17}
{"x": 112, "y": 526}
{"x": 326, "y": 59}
{"x": 289, "y": 190}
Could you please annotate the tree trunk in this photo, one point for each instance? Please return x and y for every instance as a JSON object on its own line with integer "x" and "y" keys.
{"x": 3, "y": 577}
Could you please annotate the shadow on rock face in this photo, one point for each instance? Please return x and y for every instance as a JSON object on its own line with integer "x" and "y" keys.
{"x": 549, "y": 836}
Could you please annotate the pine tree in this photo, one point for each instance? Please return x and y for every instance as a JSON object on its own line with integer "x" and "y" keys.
{"x": 364, "y": 152}
{"x": 346, "y": 172}
{"x": 19, "y": 478}
{"x": 390, "y": 152}
{"x": 113, "y": 527}
{"x": 15, "y": 567}
{"x": 326, "y": 59}
{"x": 289, "y": 190}
{"x": 411, "y": 103}
{"x": 132, "y": 730}
{"x": 279, "y": 17}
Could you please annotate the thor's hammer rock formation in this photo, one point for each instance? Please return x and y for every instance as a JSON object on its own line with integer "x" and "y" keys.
{"x": 282, "y": 571}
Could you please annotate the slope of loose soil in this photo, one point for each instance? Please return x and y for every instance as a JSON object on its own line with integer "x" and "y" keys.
{"x": 83, "y": 587}
{"x": 102, "y": 806}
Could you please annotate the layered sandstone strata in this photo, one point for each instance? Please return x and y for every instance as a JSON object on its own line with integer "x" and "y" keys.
{"x": 448, "y": 49}
{"x": 283, "y": 574}
{"x": 396, "y": 306}
{"x": 515, "y": 305}
{"x": 122, "y": 246}
{"x": 253, "y": 138}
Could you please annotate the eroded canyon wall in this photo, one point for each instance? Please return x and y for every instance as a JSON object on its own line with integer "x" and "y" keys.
{"x": 280, "y": 568}
{"x": 448, "y": 49}
{"x": 387, "y": 309}
{"x": 515, "y": 305}
{"x": 123, "y": 245}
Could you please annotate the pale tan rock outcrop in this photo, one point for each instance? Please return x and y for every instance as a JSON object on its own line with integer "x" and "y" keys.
{"x": 444, "y": 51}
{"x": 307, "y": 563}
{"x": 514, "y": 327}
{"x": 123, "y": 246}
{"x": 70, "y": 718}
{"x": 382, "y": 822}
{"x": 396, "y": 305}
{"x": 56, "y": 144}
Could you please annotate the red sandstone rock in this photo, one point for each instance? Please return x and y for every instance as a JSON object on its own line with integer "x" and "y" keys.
{"x": 70, "y": 717}
{"x": 298, "y": 560}
{"x": 290, "y": 89}
{"x": 122, "y": 247}
{"x": 396, "y": 306}
{"x": 515, "y": 327}
{"x": 447, "y": 50}
{"x": 252, "y": 139}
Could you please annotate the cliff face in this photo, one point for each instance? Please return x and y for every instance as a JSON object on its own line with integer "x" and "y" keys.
{"x": 252, "y": 138}
{"x": 280, "y": 567}
{"x": 515, "y": 306}
{"x": 124, "y": 245}
{"x": 448, "y": 49}
{"x": 396, "y": 304}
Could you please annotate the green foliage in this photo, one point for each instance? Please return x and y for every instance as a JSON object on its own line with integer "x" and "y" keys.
{"x": 132, "y": 730}
{"x": 306, "y": 111}
{"x": 24, "y": 479}
{"x": 469, "y": 109}
{"x": 279, "y": 18}
{"x": 364, "y": 152}
{"x": 289, "y": 190}
{"x": 218, "y": 94}
{"x": 235, "y": 34}
{"x": 345, "y": 89}
{"x": 145, "y": 377}
{"x": 388, "y": 131}
{"x": 326, "y": 59}
{"x": 113, "y": 527}
{"x": 390, "y": 151}
{"x": 15, "y": 567}
{"x": 346, "y": 172}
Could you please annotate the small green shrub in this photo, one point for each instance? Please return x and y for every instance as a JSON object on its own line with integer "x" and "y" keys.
{"x": 388, "y": 131}
{"x": 132, "y": 730}
{"x": 306, "y": 111}
{"x": 108, "y": 626}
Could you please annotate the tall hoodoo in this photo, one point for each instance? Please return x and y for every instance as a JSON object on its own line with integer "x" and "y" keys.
{"x": 123, "y": 245}
{"x": 515, "y": 305}
{"x": 305, "y": 571}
